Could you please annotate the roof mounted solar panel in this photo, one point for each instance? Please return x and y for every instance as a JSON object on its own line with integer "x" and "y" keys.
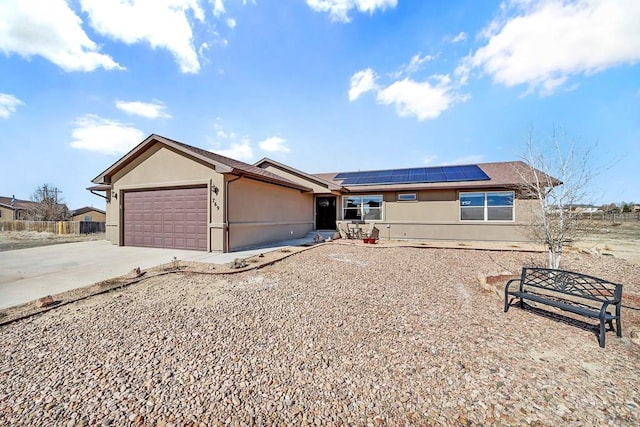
{"x": 414, "y": 175}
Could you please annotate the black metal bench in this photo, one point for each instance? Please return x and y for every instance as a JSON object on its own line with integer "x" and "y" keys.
{"x": 569, "y": 291}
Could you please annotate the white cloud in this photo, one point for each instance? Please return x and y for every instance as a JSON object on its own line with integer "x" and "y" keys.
{"x": 542, "y": 44}
{"x": 105, "y": 136}
{"x": 463, "y": 71}
{"x": 361, "y": 82}
{"x": 239, "y": 145}
{"x": 218, "y": 8}
{"x": 150, "y": 110}
{"x": 238, "y": 150}
{"x": 339, "y": 9}
{"x": 424, "y": 100}
{"x": 273, "y": 144}
{"x": 50, "y": 29}
{"x": 416, "y": 62}
{"x": 429, "y": 159}
{"x": 164, "y": 24}
{"x": 462, "y": 36}
{"x": 8, "y": 104}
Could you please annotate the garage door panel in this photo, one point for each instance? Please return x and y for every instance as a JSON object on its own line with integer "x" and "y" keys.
{"x": 171, "y": 218}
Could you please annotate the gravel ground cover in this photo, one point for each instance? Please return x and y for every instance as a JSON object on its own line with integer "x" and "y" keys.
{"x": 336, "y": 335}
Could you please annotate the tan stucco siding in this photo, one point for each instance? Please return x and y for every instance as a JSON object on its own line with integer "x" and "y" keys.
{"x": 430, "y": 206}
{"x": 261, "y": 212}
{"x": 161, "y": 167}
{"x": 317, "y": 189}
{"x": 111, "y": 224}
{"x": 436, "y": 215}
{"x": 6, "y": 214}
{"x": 500, "y": 232}
{"x": 92, "y": 215}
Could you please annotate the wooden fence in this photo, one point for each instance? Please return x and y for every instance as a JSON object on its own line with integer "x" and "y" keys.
{"x": 613, "y": 217}
{"x": 54, "y": 227}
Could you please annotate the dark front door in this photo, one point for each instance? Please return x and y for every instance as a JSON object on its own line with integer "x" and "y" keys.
{"x": 326, "y": 213}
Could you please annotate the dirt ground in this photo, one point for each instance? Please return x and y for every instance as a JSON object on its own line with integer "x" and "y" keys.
{"x": 12, "y": 240}
{"x": 620, "y": 240}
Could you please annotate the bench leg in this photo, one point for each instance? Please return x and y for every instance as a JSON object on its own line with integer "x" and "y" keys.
{"x": 602, "y": 331}
{"x": 618, "y": 321}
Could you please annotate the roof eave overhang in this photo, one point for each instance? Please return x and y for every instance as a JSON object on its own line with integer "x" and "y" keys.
{"x": 462, "y": 185}
{"x": 99, "y": 187}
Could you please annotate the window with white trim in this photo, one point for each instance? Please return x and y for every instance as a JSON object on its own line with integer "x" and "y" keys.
{"x": 487, "y": 206}
{"x": 362, "y": 207}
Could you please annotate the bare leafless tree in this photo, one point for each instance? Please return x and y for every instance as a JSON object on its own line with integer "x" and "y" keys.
{"x": 47, "y": 205}
{"x": 558, "y": 175}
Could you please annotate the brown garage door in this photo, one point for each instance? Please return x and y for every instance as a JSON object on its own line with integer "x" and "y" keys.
{"x": 174, "y": 218}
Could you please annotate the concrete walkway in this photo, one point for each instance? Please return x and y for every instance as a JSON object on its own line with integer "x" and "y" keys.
{"x": 29, "y": 274}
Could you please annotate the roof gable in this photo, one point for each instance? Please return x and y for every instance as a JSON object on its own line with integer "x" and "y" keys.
{"x": 219, "y": 163}
{"x": 313, "y": 179}
{"x": 87, "y": 209}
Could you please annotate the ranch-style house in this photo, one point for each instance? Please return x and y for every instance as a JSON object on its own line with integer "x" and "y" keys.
{"x": 165, "y": 193}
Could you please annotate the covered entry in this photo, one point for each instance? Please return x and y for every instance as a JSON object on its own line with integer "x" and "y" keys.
{"x": 325, "y": 213}
{"x": 167, "y": 218}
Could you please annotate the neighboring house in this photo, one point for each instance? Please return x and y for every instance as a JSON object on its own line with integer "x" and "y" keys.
{"x": 164, "y": 193}
{"x": 584, "y": 209}
{"x": 12, "y": 209}
{"x": 89, "y": 213}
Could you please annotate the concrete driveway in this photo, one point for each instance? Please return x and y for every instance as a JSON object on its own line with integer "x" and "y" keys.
{"x": 29, "y": 274}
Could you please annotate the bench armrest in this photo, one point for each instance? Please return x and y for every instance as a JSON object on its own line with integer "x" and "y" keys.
{"x": 603, "y": 310}
{"x": 506, "y": 288}
{"x": 506, "y": 293}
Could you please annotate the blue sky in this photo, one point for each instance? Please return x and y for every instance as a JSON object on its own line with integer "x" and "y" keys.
{"x": 321, "y": 85}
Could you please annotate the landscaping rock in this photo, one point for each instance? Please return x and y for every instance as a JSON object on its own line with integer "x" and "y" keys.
{"x": 45, "y": 301}
{"x": 335, "y": 335}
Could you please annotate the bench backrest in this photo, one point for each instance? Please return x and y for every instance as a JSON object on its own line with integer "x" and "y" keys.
{"x": 572, "y": 283}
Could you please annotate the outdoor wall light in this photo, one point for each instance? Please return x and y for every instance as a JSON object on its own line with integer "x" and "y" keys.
{"x": 114, "y": 194}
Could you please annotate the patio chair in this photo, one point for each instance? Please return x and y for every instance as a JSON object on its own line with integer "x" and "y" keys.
{"x": 375, "y": 232}
{"x": 343, "y": 229}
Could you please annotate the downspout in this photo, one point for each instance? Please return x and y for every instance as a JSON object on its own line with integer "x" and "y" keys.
{"x": 226, "y": 213}
{"x": 99, "y": 195}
